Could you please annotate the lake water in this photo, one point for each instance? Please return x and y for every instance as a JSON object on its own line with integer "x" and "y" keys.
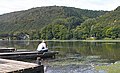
{"x": 74, "y": 56}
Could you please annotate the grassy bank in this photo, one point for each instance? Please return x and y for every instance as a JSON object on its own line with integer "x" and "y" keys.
{"x": 113, "y": 68}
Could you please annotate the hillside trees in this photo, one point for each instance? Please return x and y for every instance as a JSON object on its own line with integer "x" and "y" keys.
{"x": 113, "y": 32}
{"x": 61, "y": 28}
{"x": 54, "y": 32}
{"x": 62, "y": 23}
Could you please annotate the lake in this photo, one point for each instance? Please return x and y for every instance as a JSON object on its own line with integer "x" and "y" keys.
{"x": 74, "y": 56}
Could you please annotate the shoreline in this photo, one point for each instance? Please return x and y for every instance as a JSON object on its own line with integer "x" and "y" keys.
{"x": 70, "y": 40}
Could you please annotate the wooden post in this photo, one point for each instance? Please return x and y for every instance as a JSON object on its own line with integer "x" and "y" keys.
{"x": 41, "y": 69}
{"x": 38, "y": 61}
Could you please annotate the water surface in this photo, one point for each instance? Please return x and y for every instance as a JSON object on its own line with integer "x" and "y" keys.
{"x": 77, "y": 56}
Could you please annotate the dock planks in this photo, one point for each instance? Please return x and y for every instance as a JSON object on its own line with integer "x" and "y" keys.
{"x": 3, "y": 49}
{"x": 11, "y": 66}
{"x": 28, "y": 55}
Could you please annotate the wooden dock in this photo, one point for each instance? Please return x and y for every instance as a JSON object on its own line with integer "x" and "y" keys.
{"x": 3, "y": 49}
{"x": 28, "y": 55}
{"x": 11, "y": 66}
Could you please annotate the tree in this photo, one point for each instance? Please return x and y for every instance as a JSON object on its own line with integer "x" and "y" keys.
{"x": 54, "y": 32}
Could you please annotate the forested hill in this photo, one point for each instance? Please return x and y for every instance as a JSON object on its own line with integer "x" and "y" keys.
{"x": 104, "y": 27}
{"x": 33, "y": 20}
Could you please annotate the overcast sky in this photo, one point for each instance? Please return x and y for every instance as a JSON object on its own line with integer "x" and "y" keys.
{"x": 7, "y": 6}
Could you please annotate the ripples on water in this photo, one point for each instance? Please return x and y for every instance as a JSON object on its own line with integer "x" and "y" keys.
{"x": 71, "y": 69}
{"x": 102, "y": 52}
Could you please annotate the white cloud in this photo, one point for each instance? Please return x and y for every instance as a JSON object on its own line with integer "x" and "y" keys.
{"x": 17, "y": 5}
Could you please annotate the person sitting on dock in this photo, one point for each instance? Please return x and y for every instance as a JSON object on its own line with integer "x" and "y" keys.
{"x": 42, "y": 47}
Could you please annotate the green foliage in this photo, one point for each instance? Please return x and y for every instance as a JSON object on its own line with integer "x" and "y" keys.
{"x": 105, "y": 26}
{"x": 59, "y": 22}
{"x": 54, "y": 32}
{"x": 113, "y": 32}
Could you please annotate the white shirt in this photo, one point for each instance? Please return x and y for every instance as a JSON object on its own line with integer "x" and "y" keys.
{"x": 40, "y": 47}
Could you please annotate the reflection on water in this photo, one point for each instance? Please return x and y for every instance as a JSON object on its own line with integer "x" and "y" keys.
{"x": 72, "y": 48}
{"x": 73, "y": 51}
{"x": 76, "y": 48}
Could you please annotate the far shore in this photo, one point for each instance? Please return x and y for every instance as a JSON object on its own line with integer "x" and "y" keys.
{"x": 70, "y": 40}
